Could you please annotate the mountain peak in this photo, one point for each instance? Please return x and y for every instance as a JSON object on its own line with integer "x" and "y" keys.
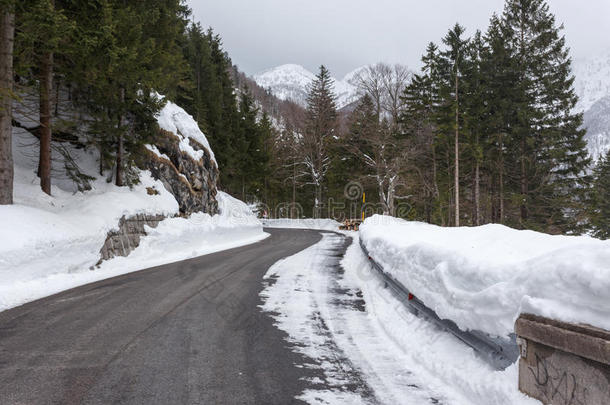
{"x": 290, "y": 82}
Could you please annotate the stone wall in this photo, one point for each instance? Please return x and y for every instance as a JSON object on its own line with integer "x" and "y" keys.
{"x": 562, "y": 363}
{"x": 122, "y": 241}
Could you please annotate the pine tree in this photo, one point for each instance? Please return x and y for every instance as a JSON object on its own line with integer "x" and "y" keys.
{"x": 452, "y": 63}
{"x": 600, "y": 204}
{"x": 500, "y": 77}
{"x": 129, "y": 52}
{"x": 320, "y": 125}
{"x": 475, "y": 119}
{"x": 421, "y": 100}
{"x": 550, "y": 150}
{"x": 43, "y": 30}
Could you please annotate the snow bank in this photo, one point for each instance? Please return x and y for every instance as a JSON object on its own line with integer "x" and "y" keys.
{"x": 53, "y": 251}
{"x": 49, "y": 243}
{"x": 305, "y": 223}
{"x": 410, "y": 359}
{"x": 483, "y": 277}
{"x": 174, "y": 119}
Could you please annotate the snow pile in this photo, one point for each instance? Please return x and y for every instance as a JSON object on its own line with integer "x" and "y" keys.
{"x": 178, "y": 238}
{"x": 304, "y": 223}
{"x": 364, "y": 346}
{"x": 483, "y": 277}
{"x": 49, "y": 243}
{"x": 174, "y": 119}
{"x": 236, "y": 210}
{"x": 407, "y": 358}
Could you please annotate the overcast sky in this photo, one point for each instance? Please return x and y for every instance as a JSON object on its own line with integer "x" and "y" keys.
{"x": 346, "y": 34}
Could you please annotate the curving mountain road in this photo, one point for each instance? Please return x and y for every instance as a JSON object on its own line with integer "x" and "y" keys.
{"x": 184, "y": 333}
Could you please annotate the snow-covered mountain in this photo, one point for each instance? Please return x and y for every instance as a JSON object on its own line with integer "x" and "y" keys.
{"x": 592, "y": 79}
{"x": 290, "y": 82}
{"x": 597, "y": 122}
{"x": 592, "y": 85}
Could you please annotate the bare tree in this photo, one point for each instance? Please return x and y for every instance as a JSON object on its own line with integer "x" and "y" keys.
{"x": 7, "y": 32}
{"x": 384, "y": 84}
{"x": 395, "y": 79}
{"x": 371, "y": 81}
{"x": 379, "y": 146}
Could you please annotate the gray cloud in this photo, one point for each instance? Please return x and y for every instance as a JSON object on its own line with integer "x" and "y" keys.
{"x": 346, "y": 34}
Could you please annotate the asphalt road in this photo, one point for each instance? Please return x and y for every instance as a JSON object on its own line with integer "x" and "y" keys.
{"x": 184, "y": 333}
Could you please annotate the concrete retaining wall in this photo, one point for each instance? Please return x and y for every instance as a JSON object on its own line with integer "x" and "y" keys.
{"x": 127, "y": 237}
{"x": 562, "y": 363}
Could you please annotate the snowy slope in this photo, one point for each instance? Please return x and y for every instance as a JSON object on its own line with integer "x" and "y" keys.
{"x": 592, "y": 79}
{"x": 49, "y": 243}
{"x": 592, "y": 85}
{"x": 483, "y": 277}
{"x": 597, "y": 122}
{"x": 290, "y": 82}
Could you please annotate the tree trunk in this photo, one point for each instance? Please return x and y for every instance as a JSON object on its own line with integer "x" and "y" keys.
{"x": 7, "y": 32}
{"x": 46, "y": 88}
{"x": 119, "y": 161}
{"x": 523, "y": 184}
{"x": 457, "y": 155}
{"x": 316, "y": 204}
{"x": 119, "y": 151}
{"x": 294, "y": 189}
{"x": 501, "y": 180}
{"x": 477, "y": 195}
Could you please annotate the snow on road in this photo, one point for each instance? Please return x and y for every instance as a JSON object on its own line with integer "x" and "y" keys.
{"x": 369, "y": 348}
{"x": 303, "y": 223}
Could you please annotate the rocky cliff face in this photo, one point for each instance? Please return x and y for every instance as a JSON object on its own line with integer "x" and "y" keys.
{"x": 192, "y": 181}
{"x": 183, "y": 161}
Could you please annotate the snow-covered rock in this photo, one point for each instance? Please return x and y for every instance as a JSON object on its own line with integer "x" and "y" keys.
{"x": 483, "y": 277}
{"x": 183, "y": 161}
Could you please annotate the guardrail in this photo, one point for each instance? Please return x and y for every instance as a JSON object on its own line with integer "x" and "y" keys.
{"x": 498, "y": 352}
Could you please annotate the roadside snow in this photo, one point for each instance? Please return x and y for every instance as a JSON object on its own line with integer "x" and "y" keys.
{"x": 44, "y": 267}
{"x": 483, "y": 277}
{"x": 400, "y": 349}
{"x": 367, "y": 346}
{"x": 304, "y": 223}
{"x": 49, "y": 243}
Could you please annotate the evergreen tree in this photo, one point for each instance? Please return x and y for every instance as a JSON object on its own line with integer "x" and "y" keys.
{"x": 600, "y": 204}
{"x": 499, "y": 90}
{"x": 421, "y": 100}
{"x": 43, "y": 29}
{"x": 452, "y": 64}
{"x": 475, "y": 119}
{"x": 320, "y": 125}
{"x": 550, "y": 152}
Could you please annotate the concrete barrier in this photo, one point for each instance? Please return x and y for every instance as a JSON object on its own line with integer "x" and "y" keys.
{"x": 563, "y": 363}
